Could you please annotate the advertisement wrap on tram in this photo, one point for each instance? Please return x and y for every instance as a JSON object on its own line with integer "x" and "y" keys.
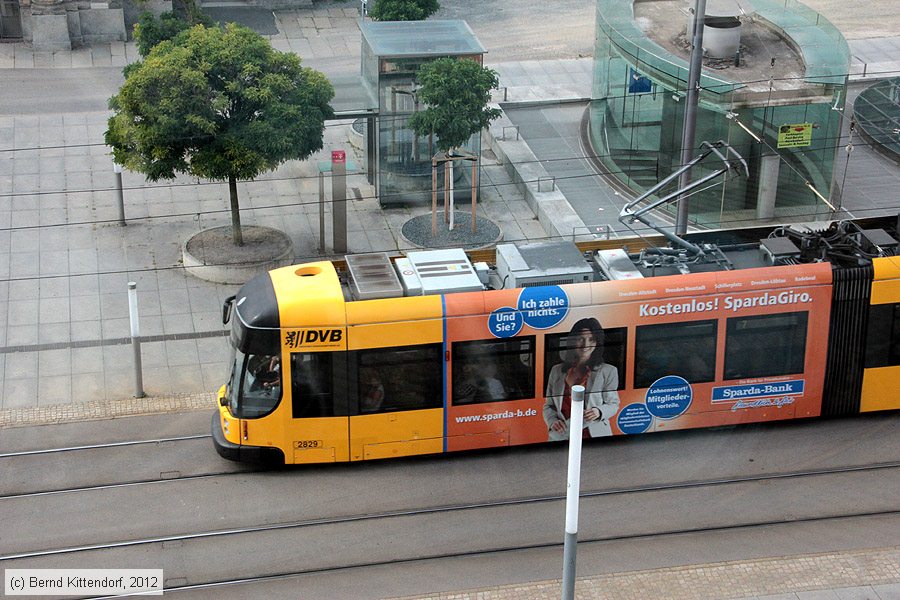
{"x": 674, "y": 353}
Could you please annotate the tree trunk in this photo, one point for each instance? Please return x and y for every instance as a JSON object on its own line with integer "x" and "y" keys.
{"x": 235, "y": 212}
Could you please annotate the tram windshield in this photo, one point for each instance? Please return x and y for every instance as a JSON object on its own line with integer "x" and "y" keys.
{"x": 254, "y": 388}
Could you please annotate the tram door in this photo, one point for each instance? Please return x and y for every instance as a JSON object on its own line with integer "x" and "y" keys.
{"x": 395, "y": 362}
{"x": 396, "y": 406}
{"x": 319, "y": 423}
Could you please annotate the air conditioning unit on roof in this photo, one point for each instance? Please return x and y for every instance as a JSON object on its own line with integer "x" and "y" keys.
{"x": 444, "y": 271}
{"x": 541, "y": 263}
{"x": 373, "y": 276}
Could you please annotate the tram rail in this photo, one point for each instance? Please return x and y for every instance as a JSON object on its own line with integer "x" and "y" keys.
{"x": 199, "y": 436}
{"x": 507, "y": 502}
{"x": 485, "y": 553}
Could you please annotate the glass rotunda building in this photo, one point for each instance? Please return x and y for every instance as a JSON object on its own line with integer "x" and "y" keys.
{"x": 774, "y": 70}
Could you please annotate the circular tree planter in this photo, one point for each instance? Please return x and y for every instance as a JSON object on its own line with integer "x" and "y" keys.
{"x": 212, "y": 256}
{"x": 356, "y": 134}
{"x": 417, "y": 232}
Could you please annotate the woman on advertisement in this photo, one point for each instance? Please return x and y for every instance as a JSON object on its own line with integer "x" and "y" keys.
{"x": 582, "y": 365}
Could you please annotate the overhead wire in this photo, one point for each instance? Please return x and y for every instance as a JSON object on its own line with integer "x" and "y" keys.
{"x": 199, "y": 182}
{"x": 316, "y": 202}
{"x": 281, "y": 205}
{"x": 389, "y": 250}
{"x": 341, "y": 122}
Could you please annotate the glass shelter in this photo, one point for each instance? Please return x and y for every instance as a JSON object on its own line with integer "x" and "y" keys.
{"x": 392, "y": 52}
{"x": 786, "y": 73}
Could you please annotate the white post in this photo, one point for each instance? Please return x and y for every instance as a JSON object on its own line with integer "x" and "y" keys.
{"x": 117, "y": 169}
{"x": 135, "y": 339}
{"x": 572, "y": 490}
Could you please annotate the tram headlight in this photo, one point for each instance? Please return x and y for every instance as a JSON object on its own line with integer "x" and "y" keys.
{"x": 225, "y": 426}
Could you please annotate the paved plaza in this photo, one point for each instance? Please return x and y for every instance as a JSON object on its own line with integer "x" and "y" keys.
{"x": 831, "y": 576}
{"x": 65, "y": 262}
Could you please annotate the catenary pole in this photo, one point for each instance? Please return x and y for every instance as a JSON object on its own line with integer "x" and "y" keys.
{"x": 572, "y": 489}
{"x": 690, "y": 112}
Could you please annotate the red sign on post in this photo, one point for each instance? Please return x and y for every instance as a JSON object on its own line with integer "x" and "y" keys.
{"x": 338, "y": 156}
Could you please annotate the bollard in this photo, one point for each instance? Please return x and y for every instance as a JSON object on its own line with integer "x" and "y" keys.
{"x": 572, "y": 490}
{"x": 135, "y": 339}
{"x": 117, "y": 169}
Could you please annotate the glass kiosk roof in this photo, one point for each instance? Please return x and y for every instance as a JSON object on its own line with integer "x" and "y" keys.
{"x": 391, "y": 39}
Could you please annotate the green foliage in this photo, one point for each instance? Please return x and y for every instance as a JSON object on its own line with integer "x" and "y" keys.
{"x": 219, "y": 104}
{"x": 456, "y": 92}
{"x": 195, "y": 14}
{"x": 151, "y": 30}
{"x": 403, "y": 10}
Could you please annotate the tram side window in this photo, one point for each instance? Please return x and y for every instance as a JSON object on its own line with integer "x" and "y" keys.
{"x": 883, "y": 339}
{"x": 396, "y": 379}
{"x": 614, "y": 348}
{"x": 765, "y": 345}
{"x": 685, "y": 349}
{"x": 312, "y": 377}
{"x": 493, "y": 370}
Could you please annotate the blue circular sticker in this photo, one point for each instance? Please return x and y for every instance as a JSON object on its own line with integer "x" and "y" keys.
{"x": 543, "y": 307}
{"x": 669, "y": 396}
{"x": 505, "y": 322}
{"x": 634, "y": 418}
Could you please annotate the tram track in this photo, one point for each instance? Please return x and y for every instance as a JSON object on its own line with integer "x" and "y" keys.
{"x": 107, "y": 465}
{"x": 124, "y": 484}
{"x": 584, "y": 494}
{"x": 660, "y": 535}
{"x": 217, "y": 532}
{"x": 156, "y": 441}
{"x": 174, "y": 475}
{"x": 452, "y": 508}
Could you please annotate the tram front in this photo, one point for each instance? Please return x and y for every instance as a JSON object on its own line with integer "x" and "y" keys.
{"x": 254, "y": 387}
{"x": 285, "y": 399}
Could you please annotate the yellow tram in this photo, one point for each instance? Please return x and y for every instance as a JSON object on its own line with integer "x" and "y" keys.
{"x": 441, "y": 354}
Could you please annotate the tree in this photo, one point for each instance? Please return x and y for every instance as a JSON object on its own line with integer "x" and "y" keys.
{"x": 403, "y": 10}
{"x": 456, "y": 93}
{"x": 151, "y": 30}
{"x": 219, "y": 104}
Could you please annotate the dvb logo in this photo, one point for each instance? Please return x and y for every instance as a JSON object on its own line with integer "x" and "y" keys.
{"x": 315, "y": 336}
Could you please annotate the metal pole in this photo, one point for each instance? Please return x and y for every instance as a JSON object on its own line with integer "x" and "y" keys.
{"x": 321, "y": 212}
{"x": 339, "y": 201}
{"x": 690, "y": 112}
{"x": 572, "y": 489}
{"x": 117, "y": 169}
{"x": 135, "y": 339}
{"x": 474, "y": 194}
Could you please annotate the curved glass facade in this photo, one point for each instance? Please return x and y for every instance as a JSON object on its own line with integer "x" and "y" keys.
{"x": 637, "y": 112}
{"x": 877, "y": 110}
